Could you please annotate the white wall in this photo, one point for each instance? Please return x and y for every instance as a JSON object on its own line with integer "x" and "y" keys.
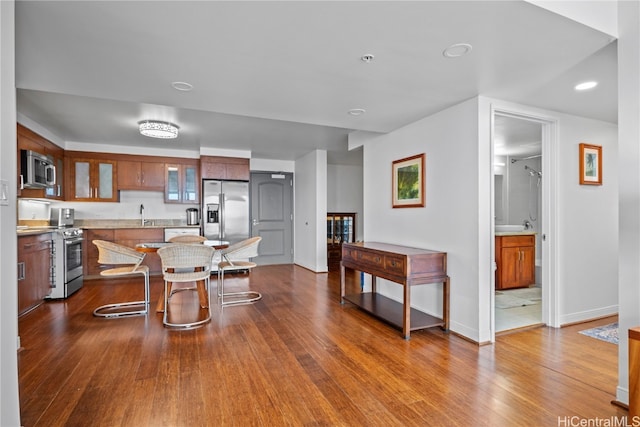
{"x": 629, "y": 200}
{"x": 310, "y": 206}
{"x": 448, "y": 222}
{"x": 271, "y": 165}
{"x": 9, "y": 398}
{"x": 344, "y": 192}
{"x": 457, "y": 216}
{"x": 587, "y": 223}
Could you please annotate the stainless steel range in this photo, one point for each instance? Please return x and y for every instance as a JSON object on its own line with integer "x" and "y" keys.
{"x": 67, "y": 255}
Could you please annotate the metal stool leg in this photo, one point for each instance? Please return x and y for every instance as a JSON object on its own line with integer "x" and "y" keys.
{"x": 105, "y": 310}
{"x": 250, "y": 296}
{"x": 190, "y": 325}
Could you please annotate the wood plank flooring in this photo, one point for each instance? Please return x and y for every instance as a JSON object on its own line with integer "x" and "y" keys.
{"x": 297, "y": 358}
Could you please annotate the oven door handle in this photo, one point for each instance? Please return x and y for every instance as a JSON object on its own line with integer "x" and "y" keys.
{"x": 68, "y": 242}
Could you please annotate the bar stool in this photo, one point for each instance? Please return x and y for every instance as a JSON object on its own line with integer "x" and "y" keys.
{"x": 183, "y": 263}
{"x": 234, "y": 258}
{"x": 110, "y": 253}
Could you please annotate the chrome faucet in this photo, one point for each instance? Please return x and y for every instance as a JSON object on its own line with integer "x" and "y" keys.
{"x": 142, "y": 221}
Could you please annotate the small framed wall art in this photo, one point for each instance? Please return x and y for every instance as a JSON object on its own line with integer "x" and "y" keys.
{"x": 408, "y": 182}
{"x": 590, "y": 164}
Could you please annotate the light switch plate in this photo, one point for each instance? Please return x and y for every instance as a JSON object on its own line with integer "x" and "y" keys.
{"x": 4, "y": 192}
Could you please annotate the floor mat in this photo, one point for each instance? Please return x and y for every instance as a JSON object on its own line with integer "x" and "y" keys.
{"x": 506, "y": 300}
{"x": 608, "y": 333}
{"x": 533, "y": 293}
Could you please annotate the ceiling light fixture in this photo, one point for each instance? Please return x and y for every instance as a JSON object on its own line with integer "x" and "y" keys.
{"x": 586, "y": 85}
{"x": 356, "y": 111}
{"x": 182, "y": 86}
{"x": 158, "y": 129}
{"x": 367, "y": 58}
{"x": 457, "y": 50}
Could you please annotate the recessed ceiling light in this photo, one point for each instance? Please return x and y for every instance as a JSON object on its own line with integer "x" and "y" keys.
{"x": 356, "y": 111}
{"x": 367, "y": 58}
{"x": 182, "y": 86}
{"x": 586, "y": 85}
{"x": 457, "y": 50}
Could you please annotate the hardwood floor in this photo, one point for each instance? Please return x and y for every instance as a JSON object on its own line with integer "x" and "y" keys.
{"x": 297, "y": 357}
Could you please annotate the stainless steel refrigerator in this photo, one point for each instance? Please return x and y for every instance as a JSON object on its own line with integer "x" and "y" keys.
{"x": 225, "y": 210}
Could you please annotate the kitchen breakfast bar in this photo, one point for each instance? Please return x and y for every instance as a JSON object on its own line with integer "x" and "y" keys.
{"x": 403, "y": 265}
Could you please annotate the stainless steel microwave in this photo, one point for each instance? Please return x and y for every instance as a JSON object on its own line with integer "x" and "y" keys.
{"x": 38, "y": 170}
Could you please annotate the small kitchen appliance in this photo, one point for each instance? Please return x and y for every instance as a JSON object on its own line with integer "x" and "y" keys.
{"x": 61, "y": 217}
{"x": 192, "y": 216}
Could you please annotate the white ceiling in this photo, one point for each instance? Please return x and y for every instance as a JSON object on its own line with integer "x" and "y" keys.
{"x": 278, "y": 78}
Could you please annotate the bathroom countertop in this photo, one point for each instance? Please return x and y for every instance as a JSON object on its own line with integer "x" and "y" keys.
{"x": 515, "y": 233}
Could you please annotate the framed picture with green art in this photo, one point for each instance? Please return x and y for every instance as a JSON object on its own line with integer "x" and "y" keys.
{"x": 590, "y": 164}
{"x": 408, "y": 182}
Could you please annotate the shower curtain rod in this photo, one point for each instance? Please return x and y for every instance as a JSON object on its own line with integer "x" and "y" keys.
{"x": 526, "y": 158}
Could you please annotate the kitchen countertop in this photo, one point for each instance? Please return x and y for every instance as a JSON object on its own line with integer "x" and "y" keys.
{"x": 106, "y": 223}
{"x": 32, "y": 231}
{"x": 131, "y": 223}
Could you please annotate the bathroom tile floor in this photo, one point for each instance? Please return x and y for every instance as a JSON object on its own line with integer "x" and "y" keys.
{"x": 518, "y": 317}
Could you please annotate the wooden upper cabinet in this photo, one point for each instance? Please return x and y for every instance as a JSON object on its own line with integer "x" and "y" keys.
{"x": 137, "y": 175}
{"x": 29, "y": 140}
{"x": 216, "y": 167}
{"x": 92, "y": 180}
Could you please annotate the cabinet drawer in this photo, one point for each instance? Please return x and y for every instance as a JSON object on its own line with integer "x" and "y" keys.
{"x": 369, "y": 258}
{"x": 349, "y": 254}
{"x": 29, "y": 244}
{"x": 515, "y": 241}
{"x": 394, "y": 264}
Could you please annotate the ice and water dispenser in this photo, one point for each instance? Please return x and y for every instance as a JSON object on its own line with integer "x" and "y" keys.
{"x": 213, "y": 213}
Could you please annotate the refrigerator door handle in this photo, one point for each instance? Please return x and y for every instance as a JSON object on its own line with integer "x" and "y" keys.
{"x": 222, "y": 215}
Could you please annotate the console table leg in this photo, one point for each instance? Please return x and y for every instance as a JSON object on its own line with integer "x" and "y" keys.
{"x": 445, "y": 303}
{"x": 341, "y": 283}
{"x": 406, "y": 312}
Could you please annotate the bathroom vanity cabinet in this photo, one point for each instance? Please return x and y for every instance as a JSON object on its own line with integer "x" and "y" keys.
{"x": 515, "y": 260}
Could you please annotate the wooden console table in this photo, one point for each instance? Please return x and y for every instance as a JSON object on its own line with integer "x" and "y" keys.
{"x": 634, "y": 373}
{"x": 400, "y": 264}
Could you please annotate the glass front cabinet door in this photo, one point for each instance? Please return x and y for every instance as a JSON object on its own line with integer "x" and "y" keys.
{"x": 93, "y": 180}
{"x": 340, "y": 229}
{"x": 181, "y": 183}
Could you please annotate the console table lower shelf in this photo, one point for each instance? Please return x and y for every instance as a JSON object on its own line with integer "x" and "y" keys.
{"x": 391, "y": 311}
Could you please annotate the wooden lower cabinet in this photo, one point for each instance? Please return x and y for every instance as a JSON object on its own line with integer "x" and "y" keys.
{"x": 34, "y": 270}
{"x": 124, "y": 236}
{"x": 515, "y": 260}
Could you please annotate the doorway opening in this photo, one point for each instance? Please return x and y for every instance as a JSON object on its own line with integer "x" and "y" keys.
{"x": 518, "y": 222}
